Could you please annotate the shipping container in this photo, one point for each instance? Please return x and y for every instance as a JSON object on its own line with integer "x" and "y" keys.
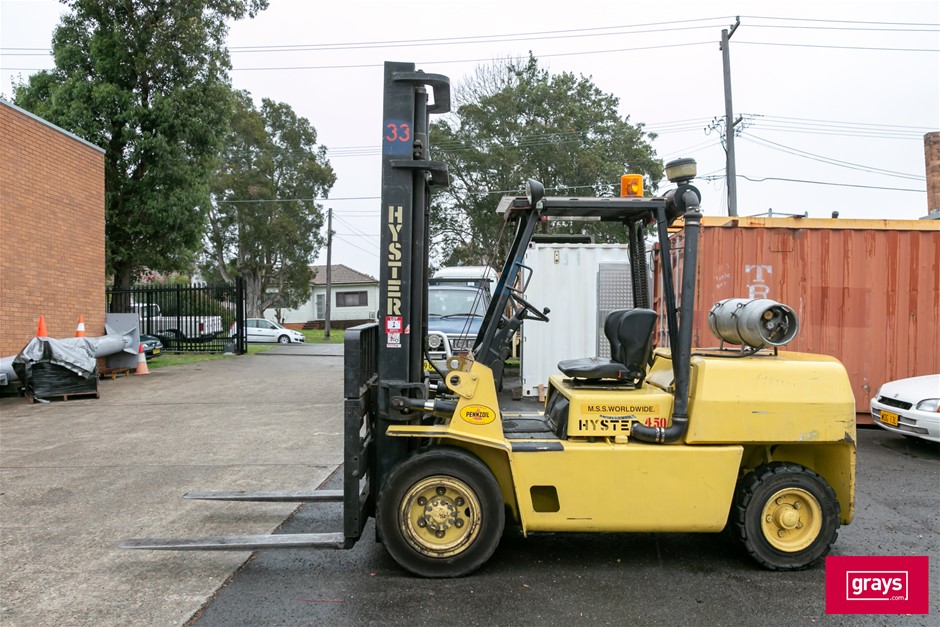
{"x": 580, "y": 283}
{"x": 866, "y": 291}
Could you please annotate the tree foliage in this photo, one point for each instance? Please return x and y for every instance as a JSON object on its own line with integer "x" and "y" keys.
{"x": 264, "y": 224}
{"x": 515, "y": 121}
{"x": 147, "y": 81}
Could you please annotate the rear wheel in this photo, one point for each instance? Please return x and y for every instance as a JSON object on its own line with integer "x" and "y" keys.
{"x": 170, "y": 338}
{"x": 786, "y": 515}
{"x": 441, "y": 513}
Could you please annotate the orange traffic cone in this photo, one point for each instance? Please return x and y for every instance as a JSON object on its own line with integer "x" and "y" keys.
{"x": 41, "y": 331}
{"x": 80, "y": 331}
{"x": 142, "y": 362}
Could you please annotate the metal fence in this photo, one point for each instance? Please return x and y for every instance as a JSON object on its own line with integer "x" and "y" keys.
{"x": 187, "y": 319}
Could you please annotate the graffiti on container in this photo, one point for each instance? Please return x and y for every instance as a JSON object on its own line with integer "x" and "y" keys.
{"x": 722, "y": 280}
{"x": 757, "y": 287}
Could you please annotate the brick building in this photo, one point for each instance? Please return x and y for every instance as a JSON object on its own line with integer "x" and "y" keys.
{"x": 52, "y": 238}
{"x": 932, "y": 164}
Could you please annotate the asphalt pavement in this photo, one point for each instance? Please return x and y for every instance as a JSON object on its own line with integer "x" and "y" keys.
{"x": 602, "y": 579}
{"x": 80, "y": 476}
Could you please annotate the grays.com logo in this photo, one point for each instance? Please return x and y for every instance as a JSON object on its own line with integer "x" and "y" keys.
{"x": 876, "y": 585}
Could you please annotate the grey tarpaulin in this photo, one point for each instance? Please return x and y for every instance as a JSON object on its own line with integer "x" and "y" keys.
{"x": 73, "y": 353}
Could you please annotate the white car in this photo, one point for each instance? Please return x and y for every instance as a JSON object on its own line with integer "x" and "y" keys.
{"x": 910, "y": 407}
{"x": 263, "y": 330}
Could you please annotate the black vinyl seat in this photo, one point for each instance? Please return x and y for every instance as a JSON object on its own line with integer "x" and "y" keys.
{"x": 630, "y": 333}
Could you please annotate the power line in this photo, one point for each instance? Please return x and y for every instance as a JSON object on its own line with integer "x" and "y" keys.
{"x": 882, "y": 49}
{"x": 773, "y": 178}
{"x": 850, "y": 28}
{"x": 808, "y": 19}
{"x": 842, "y": 122}
{"x": 356, "y": 246}
{"x": 829, "y": 160}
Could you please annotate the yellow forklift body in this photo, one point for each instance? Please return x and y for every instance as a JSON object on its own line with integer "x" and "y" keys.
{"x": 608, "y": 486}
{"x": 790, "y": 407}
{"x": 791, "y": 397}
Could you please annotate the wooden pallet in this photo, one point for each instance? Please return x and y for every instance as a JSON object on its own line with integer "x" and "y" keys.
{"x": 72, "y": 395}
{"x": 114, "y": 373}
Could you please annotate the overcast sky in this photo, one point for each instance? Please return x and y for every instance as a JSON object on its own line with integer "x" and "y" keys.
{"x": 836, "y": 96}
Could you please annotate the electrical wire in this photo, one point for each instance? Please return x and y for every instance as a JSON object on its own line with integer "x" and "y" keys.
{"x": 809, "y": 19}
{"x": 829, "y": 160}
{"x": 831, "y": 47}
{"x": 829, "y": 183}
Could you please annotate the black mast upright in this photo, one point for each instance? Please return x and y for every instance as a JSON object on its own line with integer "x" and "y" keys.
{"x": 407, "y": 173}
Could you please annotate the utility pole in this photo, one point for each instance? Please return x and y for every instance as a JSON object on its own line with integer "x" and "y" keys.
{"x": 329, "y": 269}
{"x": 730, "y": 169}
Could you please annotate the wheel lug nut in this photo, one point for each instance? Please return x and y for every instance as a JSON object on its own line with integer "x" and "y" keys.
{"x": 797, "y": 506}
{"x": 458, "y": 501}
{"x": 422, "y": 522}
{"x": 422, "y": 501}
{"x": 441, "y": 491}
{"x": 782, "y": 533}
{"x": 440, "y": 534}
{"x": 769, "y": 518}
{"x": 458, "y": 523}
{"x": 779, "y": 500}
{"x": 799, "y": 525}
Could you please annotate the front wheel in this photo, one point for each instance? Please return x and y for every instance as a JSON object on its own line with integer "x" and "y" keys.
{"x": 786, "y": 515}
{"x": 283, "y": 340}
{"x": 441, "y": 513}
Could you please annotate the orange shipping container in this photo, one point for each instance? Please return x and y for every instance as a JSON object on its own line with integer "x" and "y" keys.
{"x": 866, "y": 291}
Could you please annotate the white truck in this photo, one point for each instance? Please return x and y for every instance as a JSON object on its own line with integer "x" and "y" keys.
{"x": 176, "y": 328}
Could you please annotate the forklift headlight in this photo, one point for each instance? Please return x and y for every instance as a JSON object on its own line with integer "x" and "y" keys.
{"x": 534, "y": 192}
{"x": 681, "y": 170}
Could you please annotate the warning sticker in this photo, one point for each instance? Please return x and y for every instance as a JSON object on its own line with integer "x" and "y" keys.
{"x": 393, "y": 324}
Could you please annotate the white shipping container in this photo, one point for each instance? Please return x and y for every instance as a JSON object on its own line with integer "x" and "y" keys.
{"x": 580, "y": 283}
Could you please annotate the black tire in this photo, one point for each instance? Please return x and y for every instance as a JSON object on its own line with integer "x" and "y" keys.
{"x": 283, "y": 340}
{"x": 786, "y": 515}
{"x": 170, "y": 338}
{"x": 450, "y": 536}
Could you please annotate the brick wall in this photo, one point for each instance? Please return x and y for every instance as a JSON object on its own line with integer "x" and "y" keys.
{"x": 932, "y": 162}
{"x": 52, "y": 258}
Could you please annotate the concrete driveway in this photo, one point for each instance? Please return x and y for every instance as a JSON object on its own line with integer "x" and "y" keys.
{"x": 77, "y": 477}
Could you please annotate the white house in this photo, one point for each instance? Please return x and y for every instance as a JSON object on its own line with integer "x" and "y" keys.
{"x": 353, "y": 296}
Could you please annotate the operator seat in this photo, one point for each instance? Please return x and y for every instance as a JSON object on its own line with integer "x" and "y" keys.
{"x": 630, "y": 333}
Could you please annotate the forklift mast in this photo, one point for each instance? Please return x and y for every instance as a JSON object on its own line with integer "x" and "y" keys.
{"x": 385, "y": 360}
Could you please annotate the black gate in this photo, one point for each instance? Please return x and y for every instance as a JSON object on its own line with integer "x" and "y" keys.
{"x": 185, "y": 318}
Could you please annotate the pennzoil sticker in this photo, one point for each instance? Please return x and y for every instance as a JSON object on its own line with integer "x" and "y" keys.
{"x": 478, "y": 414}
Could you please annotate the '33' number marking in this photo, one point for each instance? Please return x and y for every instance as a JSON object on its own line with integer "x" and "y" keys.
{"x": 398, "y": 133}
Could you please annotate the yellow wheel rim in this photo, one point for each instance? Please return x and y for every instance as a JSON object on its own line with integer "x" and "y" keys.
{"x": 440, "y": 516}
{"x": 791, "y": 520}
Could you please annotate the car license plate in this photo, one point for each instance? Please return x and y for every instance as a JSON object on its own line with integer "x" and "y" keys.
{"x": 156, "y": 351}
{"x": 889, "y": 418}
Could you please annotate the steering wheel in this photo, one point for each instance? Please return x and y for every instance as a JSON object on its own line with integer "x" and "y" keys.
{"x": 528, "y": 309}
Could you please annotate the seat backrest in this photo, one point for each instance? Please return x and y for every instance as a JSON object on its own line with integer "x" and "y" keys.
{"x": 612, "y": 331}
{"x": 635, "y": 334}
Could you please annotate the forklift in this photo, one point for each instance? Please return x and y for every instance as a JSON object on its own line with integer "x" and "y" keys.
{"x": 742, "y": 437}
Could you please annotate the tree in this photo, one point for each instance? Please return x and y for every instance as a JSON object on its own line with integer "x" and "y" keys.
{"x": 515, "y": 121}
{"x": 148, "y": 82}
{"x": 264, "y": 224}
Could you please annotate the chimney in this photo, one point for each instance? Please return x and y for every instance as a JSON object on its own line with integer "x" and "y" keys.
{"x": 932, "y": 162}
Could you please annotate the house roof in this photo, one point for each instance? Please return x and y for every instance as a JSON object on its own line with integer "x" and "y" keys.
{"x": 341, "y": 274}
